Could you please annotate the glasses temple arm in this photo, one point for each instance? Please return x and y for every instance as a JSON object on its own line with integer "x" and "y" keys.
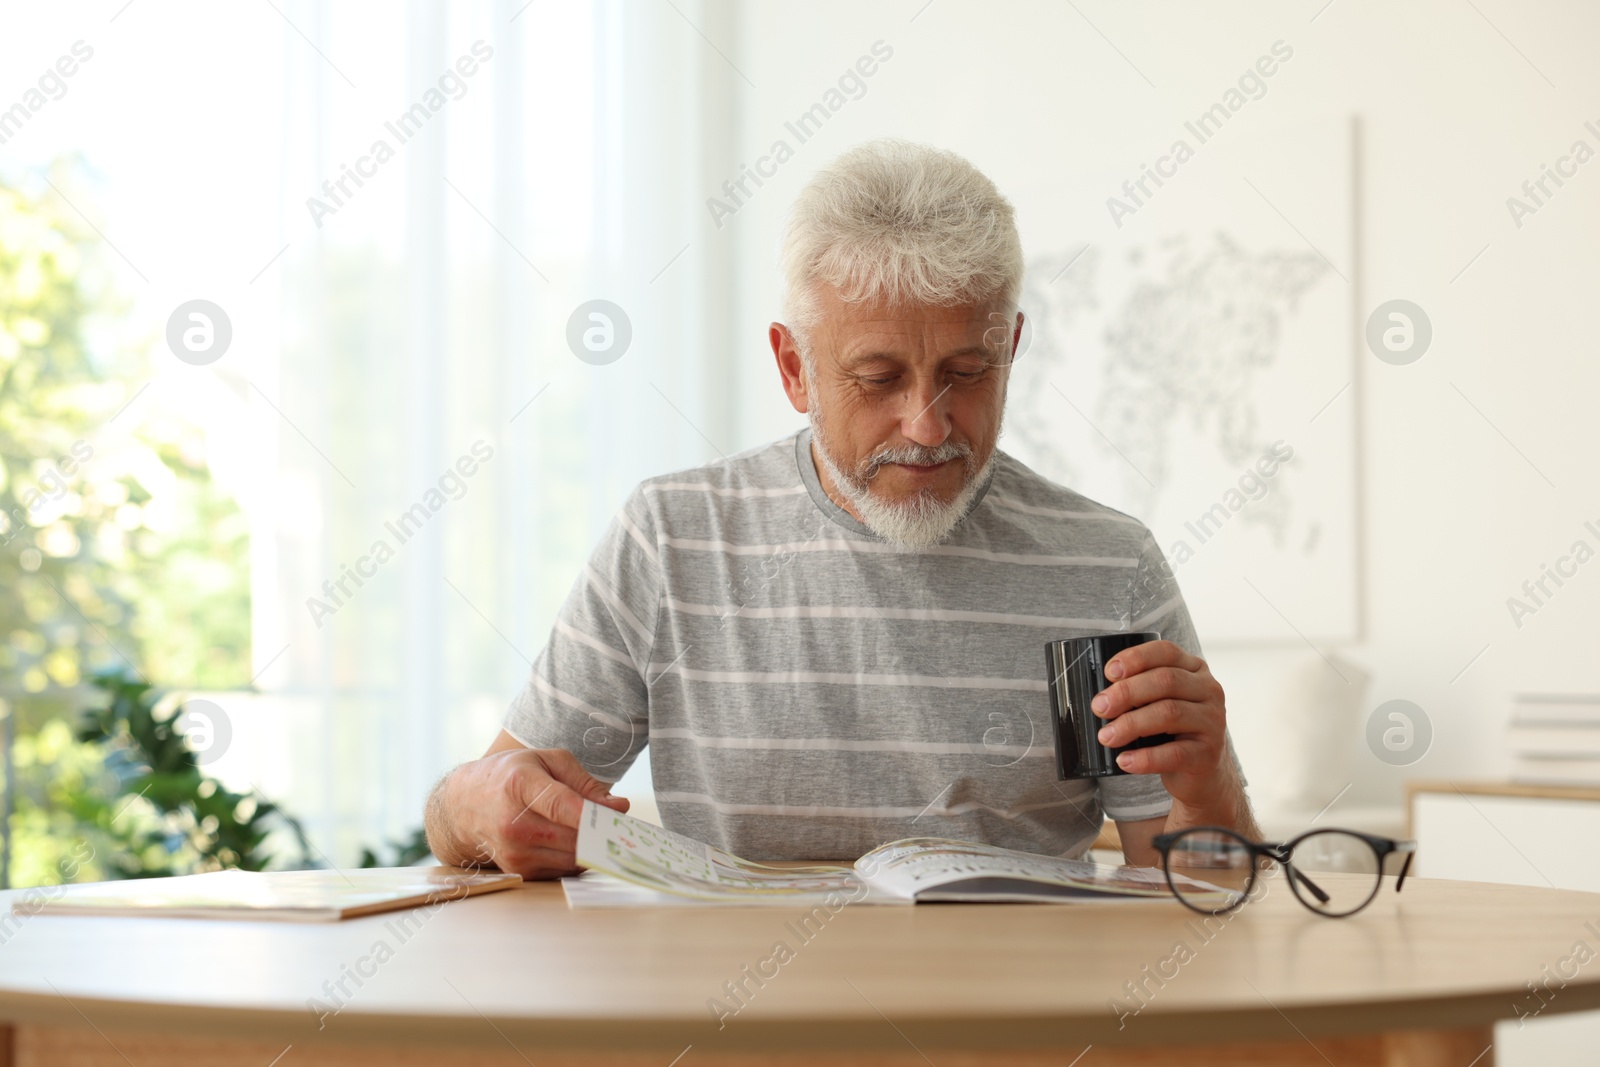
{"x": 1281, "y": 854}
{"x": 1316, "y": 890}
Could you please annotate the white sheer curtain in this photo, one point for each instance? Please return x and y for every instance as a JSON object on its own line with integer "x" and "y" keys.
{"x": 424, "y": 324}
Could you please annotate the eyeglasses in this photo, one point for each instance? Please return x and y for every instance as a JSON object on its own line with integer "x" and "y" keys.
{"x": 1348, "y": 866}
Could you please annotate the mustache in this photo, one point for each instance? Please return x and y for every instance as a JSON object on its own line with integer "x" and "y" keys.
{"x": 917, "y": 455}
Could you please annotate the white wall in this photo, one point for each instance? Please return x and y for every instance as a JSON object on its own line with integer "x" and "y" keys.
{"x": 1454, "y": 514}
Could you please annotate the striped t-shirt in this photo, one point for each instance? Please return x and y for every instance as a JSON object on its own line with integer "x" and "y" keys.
{"x": 808, "y": 690}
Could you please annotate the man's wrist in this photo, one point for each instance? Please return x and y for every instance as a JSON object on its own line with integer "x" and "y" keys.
{"x": 445, "y": 835}
{"x": 1227, "y": 806}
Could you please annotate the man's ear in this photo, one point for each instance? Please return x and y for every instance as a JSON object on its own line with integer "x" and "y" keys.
{"x": 790, "y": 366}
{"x": 1016, "y": 338}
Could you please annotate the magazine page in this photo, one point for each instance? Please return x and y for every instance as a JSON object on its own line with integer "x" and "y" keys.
{"x": 655, "y": 858}
{"x": 928, "y": 868}
{"x": 596, "y": 889}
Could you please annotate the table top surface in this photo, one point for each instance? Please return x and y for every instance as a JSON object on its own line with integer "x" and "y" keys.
{"x": 519, "y": 965}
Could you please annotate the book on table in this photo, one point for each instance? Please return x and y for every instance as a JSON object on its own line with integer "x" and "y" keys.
{"x": 1542, "y": 739}
{"x": 310, "y": 896}
{"x": 1554, "y": 739}
{"x": 630, "y": 862}
{"x": 1530, "y": 769}
{"x": 1551, "y": 709}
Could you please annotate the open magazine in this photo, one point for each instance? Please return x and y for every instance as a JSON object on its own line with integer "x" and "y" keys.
{"x": 650, "y": 865}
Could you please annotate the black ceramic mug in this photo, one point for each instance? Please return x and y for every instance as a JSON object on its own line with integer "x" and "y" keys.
{"x": 1076, "y": 670}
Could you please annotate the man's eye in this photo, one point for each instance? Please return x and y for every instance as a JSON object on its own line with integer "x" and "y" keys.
{"x": 879, "y": 381}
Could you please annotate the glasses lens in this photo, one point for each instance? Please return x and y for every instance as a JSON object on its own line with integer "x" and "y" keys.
{"x": 1333, "y": 872}
{"x": 1210, "y": 871}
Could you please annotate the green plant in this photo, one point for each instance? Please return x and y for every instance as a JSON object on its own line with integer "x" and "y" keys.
{"x": 408, "y": 851}
{"x": 198, "y": 824}
{"x": 187, "y": 822}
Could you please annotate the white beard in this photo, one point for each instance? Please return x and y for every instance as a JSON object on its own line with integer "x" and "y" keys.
{"x": 919, "y": 522}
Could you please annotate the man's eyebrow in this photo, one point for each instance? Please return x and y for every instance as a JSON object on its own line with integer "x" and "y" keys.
{"x": 969, "y": 350}
{"x": 851, "y": 362}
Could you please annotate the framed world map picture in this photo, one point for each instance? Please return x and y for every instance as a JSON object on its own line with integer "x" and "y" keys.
{"x": 1191, "y": 362}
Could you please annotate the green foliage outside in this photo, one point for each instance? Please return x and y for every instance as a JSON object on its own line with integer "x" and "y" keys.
{"x": 117, "y": 549}
{"x": 122, "y": 564}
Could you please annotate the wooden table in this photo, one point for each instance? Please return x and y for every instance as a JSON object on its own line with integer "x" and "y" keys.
{"x": 516, "y": 978}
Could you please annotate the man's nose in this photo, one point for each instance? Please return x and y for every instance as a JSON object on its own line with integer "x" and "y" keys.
{"x": 926, "y": 420}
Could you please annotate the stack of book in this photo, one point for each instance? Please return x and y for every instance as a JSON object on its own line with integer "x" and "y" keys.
{"x": 1555, "y": 739}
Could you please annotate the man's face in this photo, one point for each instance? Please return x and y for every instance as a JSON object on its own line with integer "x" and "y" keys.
{"x": 906, "y": 406}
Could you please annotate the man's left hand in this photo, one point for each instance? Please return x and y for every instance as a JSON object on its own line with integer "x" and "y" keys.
{"x": 1158, "y": 688}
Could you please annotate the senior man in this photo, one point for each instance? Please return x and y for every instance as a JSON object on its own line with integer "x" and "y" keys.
{"x": 836, "y": 639}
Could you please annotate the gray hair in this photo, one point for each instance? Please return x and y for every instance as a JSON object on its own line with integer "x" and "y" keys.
{"x": 902, "y": 223}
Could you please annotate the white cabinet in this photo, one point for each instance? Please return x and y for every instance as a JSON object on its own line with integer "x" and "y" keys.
{"x": 1521, "y": 835}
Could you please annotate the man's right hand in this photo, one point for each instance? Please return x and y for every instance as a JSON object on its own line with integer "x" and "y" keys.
{"x": 516, "y": 808}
